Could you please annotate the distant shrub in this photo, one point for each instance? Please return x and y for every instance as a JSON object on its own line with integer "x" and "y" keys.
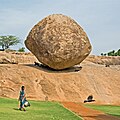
{"x": 21, "y": 49}
{"x": 112, "y": 53}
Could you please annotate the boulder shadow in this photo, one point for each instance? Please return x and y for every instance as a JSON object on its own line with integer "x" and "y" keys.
{"x": 42, "y": 67}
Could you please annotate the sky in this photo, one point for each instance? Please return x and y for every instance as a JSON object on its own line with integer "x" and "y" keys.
{"x": 100, "y": 19}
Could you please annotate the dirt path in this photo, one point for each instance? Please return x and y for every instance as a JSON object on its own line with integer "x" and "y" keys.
{"x": 87, "y": 113}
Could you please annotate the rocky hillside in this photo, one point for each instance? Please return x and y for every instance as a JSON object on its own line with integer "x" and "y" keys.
{"x": 104, "y": 60}
{"x": 16, "y": 58}
{"x": 73, "y": 84}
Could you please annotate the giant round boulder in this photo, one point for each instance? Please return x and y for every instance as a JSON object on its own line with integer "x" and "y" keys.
{"x": 59, "y": 42}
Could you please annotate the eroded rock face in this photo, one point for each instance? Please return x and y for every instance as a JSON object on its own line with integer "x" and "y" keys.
{"x": 58, "y": 42}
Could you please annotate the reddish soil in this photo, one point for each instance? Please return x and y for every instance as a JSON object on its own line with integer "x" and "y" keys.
{"x": 87, "y": 113}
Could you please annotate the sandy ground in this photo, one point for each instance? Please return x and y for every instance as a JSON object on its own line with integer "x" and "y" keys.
{"x": 87, "y": 113}
{"x": 101, "y": 82}
{"x": 74, "y": 85}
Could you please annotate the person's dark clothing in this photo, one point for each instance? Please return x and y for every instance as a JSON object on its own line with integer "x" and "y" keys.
{"x": 22, "y": 98}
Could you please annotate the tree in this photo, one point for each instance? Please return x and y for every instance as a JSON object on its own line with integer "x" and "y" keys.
{"x": 118, "y": 52}
{"x": 105, "y": 54}
{"x": 111, "y": 53}
{"x": 9, "y": 40}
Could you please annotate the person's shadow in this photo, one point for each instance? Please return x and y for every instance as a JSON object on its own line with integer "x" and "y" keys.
{"x": 15, "y": 109}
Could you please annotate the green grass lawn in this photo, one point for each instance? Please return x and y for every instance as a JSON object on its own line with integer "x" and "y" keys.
{"x": 37, "y": 111}
{"x": 109, "y": 109}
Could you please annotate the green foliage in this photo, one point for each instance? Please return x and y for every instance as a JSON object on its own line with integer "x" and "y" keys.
{"x": 109, "y": 109}
{"x": 21, "y": 49}
{"x": 117, "y": 53}
{"x": 37, "y": 111}
{"x": 112, "y": 53}
{"x": 7, "y": 41}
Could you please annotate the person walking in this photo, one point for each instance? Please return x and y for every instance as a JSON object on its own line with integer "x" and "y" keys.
{"x": 22, "y": 98}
